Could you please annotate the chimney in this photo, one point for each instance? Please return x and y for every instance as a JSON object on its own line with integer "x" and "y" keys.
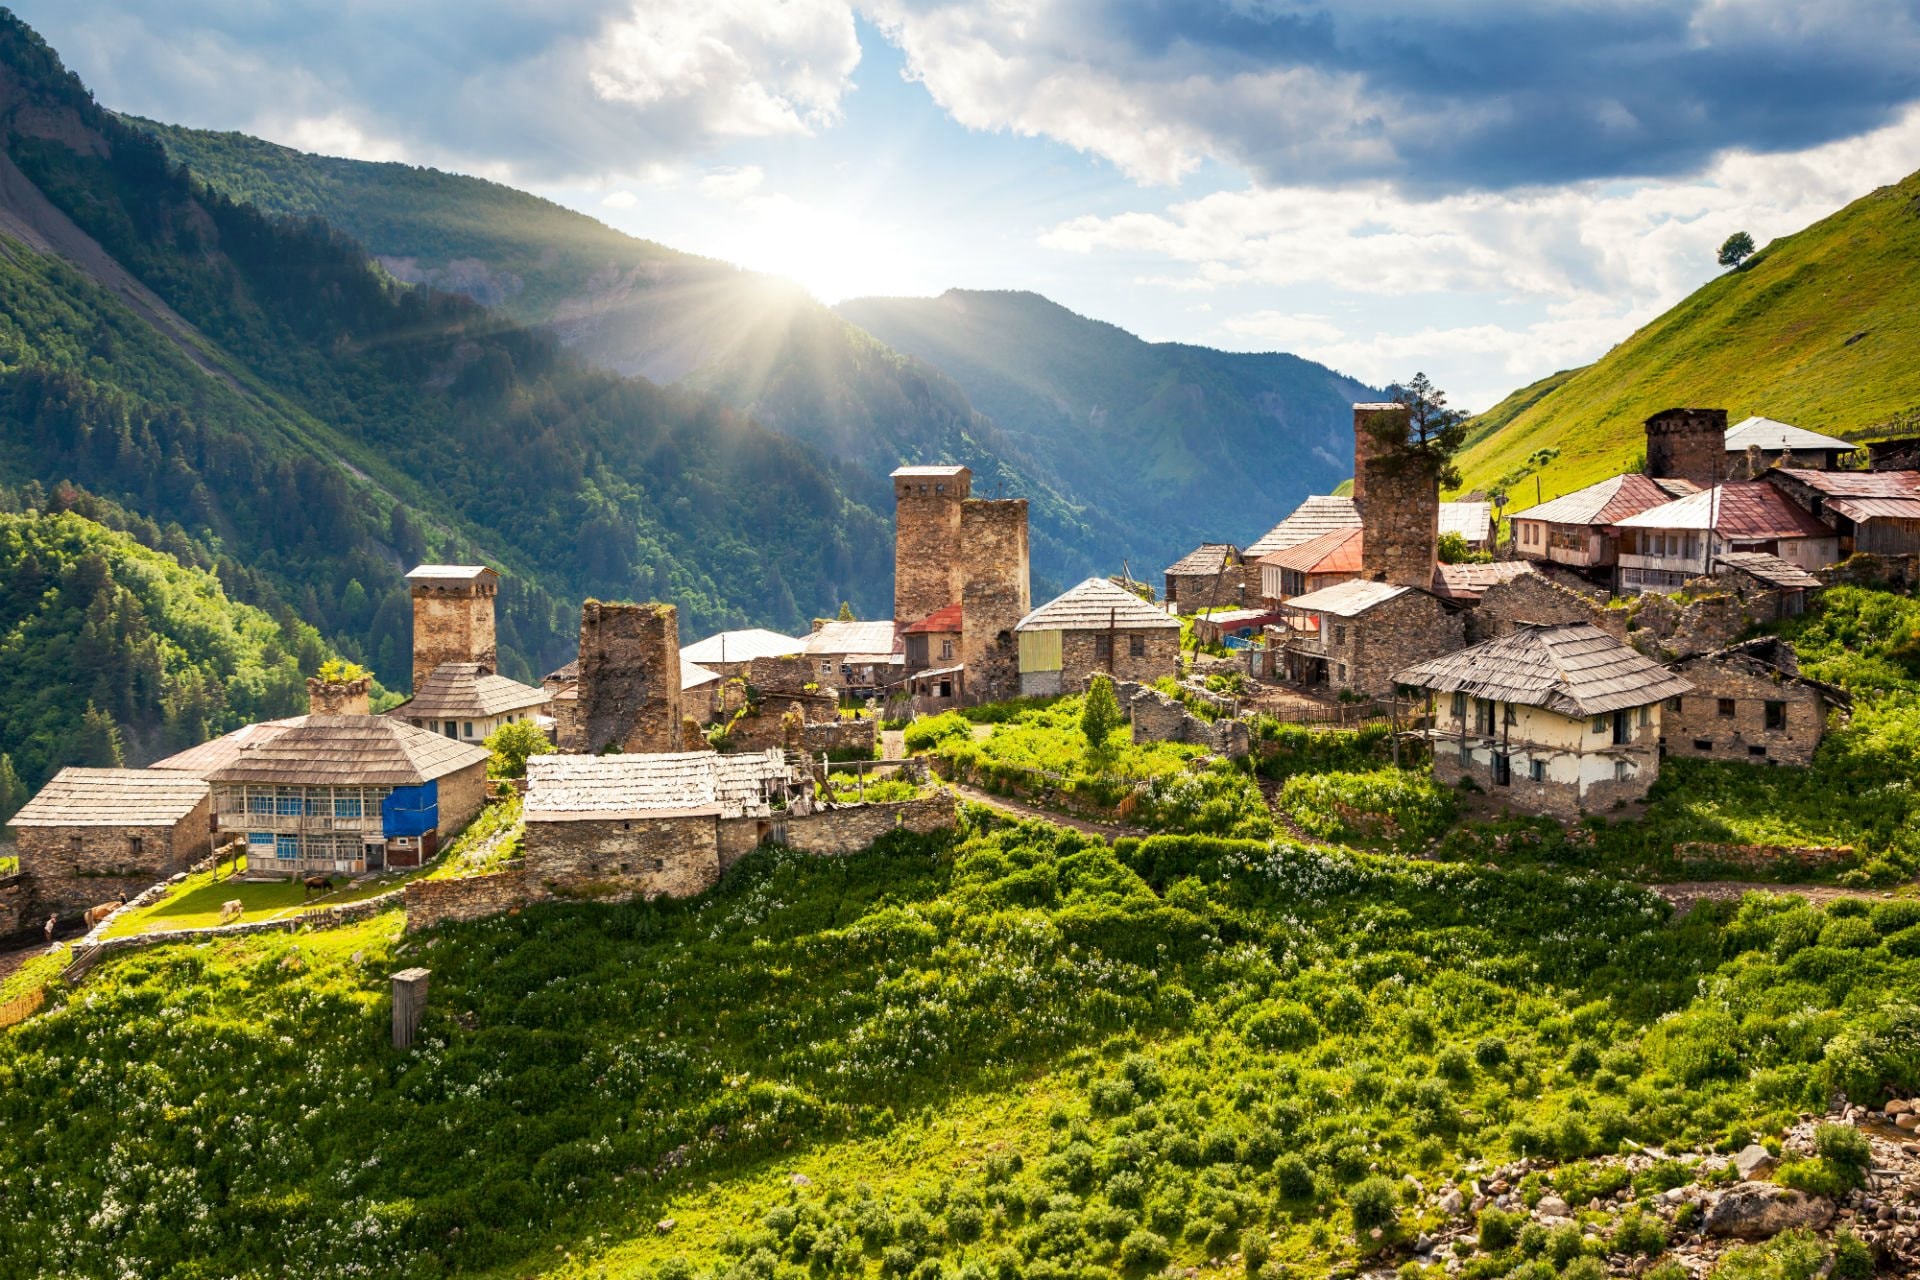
{"x": 338, "y": 697}
{"x": 1399, "y": 505}
{"x": 1688, "y": 444}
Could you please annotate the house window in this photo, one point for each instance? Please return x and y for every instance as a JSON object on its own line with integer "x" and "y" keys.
{"x": 286, "y": 848}
{"x": 450, "y": 728}
{"x": 1103, "y": 648}
{"x": 1673, "y": 704}
{"x": 1136, "y": 646}
{"x": 1340, "y": 635}
{"x": 1343, "y": 673}
{"x": 1459, "y": 706}
{"x": 1726, "y": 707}
{"x": 656, "y": 864}
{"x": 1599, "y": 724}
{"x": 1502, "y": 770}
{"x": 289, "y": 806}
{"x": 1646, "y": 717}
{"x": 1703, "y": 744}
{"x": 260, "y": 805}
{"x": 346, "y": 807}
{"x": 1537, "y": 770}
{"x": 466, "y": 728}
{"x": 136, "y": 845}
{"x": 1510, "y": 716}
{"x": 946, "y": 648}
{"x": 1776, "y": 715}
{"x": 1622, "y": 770}
{"x": 1757, "y": 751}
{"x": 1622, "y": 728}
{"x": 1483, "y": 716}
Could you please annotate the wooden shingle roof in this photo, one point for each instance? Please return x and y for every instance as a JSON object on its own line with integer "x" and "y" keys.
{"x": 312, "y": 751}
{"x": 1572, "y": 668}
{"x": 1096, "y": 605}
{"x": 464, "y": 691}
{"x": 1207, "y": 558}
{"x": 112, "y": 798}
{"x": 654, "y": 785}
{"x": 1319, "y": 514}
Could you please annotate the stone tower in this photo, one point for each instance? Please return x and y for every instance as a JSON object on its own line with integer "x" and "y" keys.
{"x": 338, "y": 697}
{"x": 927, "y": 505}
{"x": 995, "y": 593}
{"x": 1688, "y": 444}
{"x": 629, "y": 690}
{"x": 1399, "y": 505}
{"x": 452, "y": 616}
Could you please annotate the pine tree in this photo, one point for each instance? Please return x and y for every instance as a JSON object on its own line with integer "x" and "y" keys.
{"x": 97, "y": 745}
{"x": 13, "y": 792}
{"x": 846, "y": 612}
{"x": 1101, "y": 716}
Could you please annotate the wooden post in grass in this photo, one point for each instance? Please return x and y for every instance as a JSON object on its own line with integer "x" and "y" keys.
{"x": 409, "y": 1004}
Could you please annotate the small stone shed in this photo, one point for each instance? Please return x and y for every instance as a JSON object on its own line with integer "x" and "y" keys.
{"x": 1096, "y": 627}
{"x": 1208, "y": 577}
{"x": 1769, "y": 587}
{"x": 1559, "y": 719}
{"x": 1355, "y": 635}
{"x": 1749, "y": 702}
{"x": 100, "y": 835}
{"x": 856, "y": 657}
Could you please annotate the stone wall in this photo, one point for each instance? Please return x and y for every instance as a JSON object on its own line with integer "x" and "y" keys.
{"x": 1398, "y": 499}
{"x": 832, "y": 832}
{"x": 1864, "y": 569}
{"x": 452, "y": 623}
{"x": 1157, "y": 717}
{"x": 14, "y": 913}
{"x": 1080, "y": 661}
{"x": 629, "y": 677}
{"x": 338, "y": 697}
{"x": 1741, "y": 733}
{"x": 461, "y": 794}
{"x": 1228, "y": 590}
{"x": 926, "y": 545}
{"x": 1387, "y": 638}
{"x": 1532, "y": 598}
{"x": 620, "y": 858}
{"x": 1563, "y": 801}
{"x": 1668, "y": 627}
{"x": 995, "y": 593}
{"x": 787, "y": 675}
{"x": 1688, "y": 444}
{"x": 69, "y": 869}
{"x": 435, "y": 902}
{"x": 1759, "y": 857}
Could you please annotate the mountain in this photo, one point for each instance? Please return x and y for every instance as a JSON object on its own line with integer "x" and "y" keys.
{"x": 1819, "y": 329}
{"x": 257, "y": 388}
{"x": 634, "y": 307}
{"x": 1193, "y": 442}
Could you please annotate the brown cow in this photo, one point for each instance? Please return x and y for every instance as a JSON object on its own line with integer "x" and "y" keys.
{"x": 323, "y": 883}
{"x": 96, "y": 914}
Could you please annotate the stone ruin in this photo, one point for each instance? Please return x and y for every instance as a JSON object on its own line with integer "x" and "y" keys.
{"x": 629, "y": 690}
{"x": 1160, "y": 717}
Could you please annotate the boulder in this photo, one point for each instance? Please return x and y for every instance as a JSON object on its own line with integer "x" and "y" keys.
{"x": 1453, "y": 1204}
{"x": 1761, "y": 1210}
{"x": 1752, "y": 1161}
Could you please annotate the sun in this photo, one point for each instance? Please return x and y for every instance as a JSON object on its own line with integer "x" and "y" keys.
{"x": 831, "y": 253}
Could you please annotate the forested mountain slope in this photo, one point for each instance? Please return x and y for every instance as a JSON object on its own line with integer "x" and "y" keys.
{"x": 350, "y": 426}
{"x": 1198, "y": 443}
{"x": 634, "y": 307}
{"x": 1820, "y": 329}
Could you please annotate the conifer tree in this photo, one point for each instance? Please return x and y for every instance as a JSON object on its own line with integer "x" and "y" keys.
{"x": 1101, "y": 715}
{"x": 97, "y": 744}
{"x": 13, "y": 792}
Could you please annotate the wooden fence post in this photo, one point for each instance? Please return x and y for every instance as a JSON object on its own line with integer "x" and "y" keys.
{"x": 409, "y": 1003}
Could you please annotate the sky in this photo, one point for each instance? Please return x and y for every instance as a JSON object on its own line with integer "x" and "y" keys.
{"x": 1484, "y": 190}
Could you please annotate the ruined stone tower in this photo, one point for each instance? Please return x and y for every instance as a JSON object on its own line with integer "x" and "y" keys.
{"x": 926, "y": 539}
{"x": 995, "y": 593}
{"x": 1399, "y": 506}
{"x": 338, "y": 697}
{"x": 1688, "y": 444}
{"x": 629, "y": 690}
{"x": 452, "y": 616}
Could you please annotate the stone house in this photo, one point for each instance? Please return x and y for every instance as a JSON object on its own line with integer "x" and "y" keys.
{"x": 337, "y": 793}
{"x": 1529, "y": 597}
{"x": 452, "y": 616}
{"x": 456, "y": 690}
{"x": 1770, "y": 588}
{"x": 860, "y": 658}
{"x": 1330, "y": 558}
{"x": 1208, "y": 577}
{"x": 1354, "y": 636}
{"x": 934, "y": 641}
{"x": 102, "y": 835}
{"x": 642, "y": 826}
{"x": 1559, "y": 719}
{"x": 727, "y": 653}
{"x": 1467, "y": 583}
{"x": 1748, "y": 702}
{"x": 1314, "y": 518}
{"x": 1576, "y": 529}
{"x": 465, "y": 701}
{"x": 1877, "y": 512}
{"x": 1096, "y": 627}
{"x": 1663, "y": 547}
{"x": 1782, "y": 444}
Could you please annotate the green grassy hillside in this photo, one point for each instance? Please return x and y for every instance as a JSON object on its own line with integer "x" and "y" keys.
{"x": 1199, "y": 444}
{"x": 1820, "y": 329}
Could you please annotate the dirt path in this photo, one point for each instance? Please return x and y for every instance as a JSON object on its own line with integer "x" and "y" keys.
{"x": 893, "y": 744}
{"x": 1020, "y": 809}
{"x": 1685, "y": 894}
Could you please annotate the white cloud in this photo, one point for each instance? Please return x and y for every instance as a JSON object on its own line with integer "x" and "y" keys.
{"x": 731, "y": 184}
{"x": 620, "y": 200}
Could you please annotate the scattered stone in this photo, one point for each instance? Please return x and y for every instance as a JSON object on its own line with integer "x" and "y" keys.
{"x": 1761, "y": 1210}
{"x": 665, "y": 1225}
{"x": 1553, "y": 1207}
{"x": 1452, "y": 1203}
{"x": 1908, "y": 1121}
{"x": 800, "y": 1180}
{"x": 1899, "y": 1107}
{"x": 1752, "y": 1161}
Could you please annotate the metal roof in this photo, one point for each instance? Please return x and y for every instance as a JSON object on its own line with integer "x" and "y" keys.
{"x": 1347, "y": 599}
{"x": 460, "y": 572}
{"x": 1471, "y": 520}
{"x": 1607, "y": 502}
{"x": 1854, "y": 484}
{"x": 929, "y": 472}
{"x": 740, "y": 646}
{"x": 693, "y": 675}
{"x": 1774, "y": 436}
{"x": 1317, "y": 515}
{"x": 1876, "y": 508}
{"x": 940, "y": 622}
{"x": 836, "y": 638}
{"x": 1336, "y": 551}
{"x": 1570, "y": 668}
{"x": 654, "y": 785}
{"x": 112, "y": 798}
{"x": 1769, "y": 568}
{"x": 1470, "y": 581}
{"x": 1745, "y": 509}
{"x": 372, "y": 751}
{"x": 1208, "y": 557}
{"x": 1096, "y": 605}
{"x": 464, "y": 691}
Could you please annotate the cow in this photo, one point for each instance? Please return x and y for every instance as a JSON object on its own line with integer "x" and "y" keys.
{"x": 230, "y": 910}
{"x": 98, "y": 913}
{"x": 322, "y": 883}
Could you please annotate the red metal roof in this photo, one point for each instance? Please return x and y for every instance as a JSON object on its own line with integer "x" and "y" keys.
{"x": 1336, "y": 551}
{"x": 940, "y": 621}
{"x": 1746, "y": 510}
{"x": 1610, "y": 500}
{"x": 1857, "y": 484}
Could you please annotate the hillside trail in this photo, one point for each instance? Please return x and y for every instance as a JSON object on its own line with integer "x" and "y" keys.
{"x": 1108, "y": 831}
{"x": 1685, "y": 895}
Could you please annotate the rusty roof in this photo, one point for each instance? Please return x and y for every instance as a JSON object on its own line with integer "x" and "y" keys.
{"x": 1744, "y": 509}
{"x": 1207, "y": 558}
{"x": 371, "y": 751}
{"x": 1609, "y": 501}
{"x": 1096, "y": 605}
{"x": 1855, "y": 484}
{"x": 466, "y": 691}
{"x": 941, "y": 621}
{"x": 1335, "y": 551}
{"x": 1570, "y": 668}
{"x": 112, "y": 798}
{"x": 1876, "y": 508}
{"x": 1317, "y": 515}
{"x": 651, "y": 785}
{"x": 1768, "y": 568}
{"x": 1470, "y": 581}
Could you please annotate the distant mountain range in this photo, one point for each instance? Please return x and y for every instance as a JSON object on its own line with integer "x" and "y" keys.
{"x": 1821, "y": 329}
{"x": 1129, "y": 450}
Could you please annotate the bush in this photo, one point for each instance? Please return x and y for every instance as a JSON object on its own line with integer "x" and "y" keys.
{"x": 1145, "y": 1249}
{"x": 1639, "y": 1233}
{"x": 1292, "y": 1178}
{"x": 1491, "y": 1053}
{"x": 1373, "y": 1202}
{"x": 925, "y": 735}
{"x": 1499, "y": 1229}
{"x": 1398, "y": 806}
{"x": 1846, "y": 1148}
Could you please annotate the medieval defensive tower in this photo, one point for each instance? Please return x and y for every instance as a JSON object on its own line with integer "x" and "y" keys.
{"x": 629, "y": 690}
{"x": 926, "y": 539}
{"x": 1688, "y": 444}
{"x": 1398, "y": 500}
{"x": 452, "y": 616}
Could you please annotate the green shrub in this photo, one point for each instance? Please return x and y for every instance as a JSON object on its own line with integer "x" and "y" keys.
{"x": 1640, "y": 1233}
{"x": 1293, "y": 1178}
{"x": 1373, "y": 1202}
{"x": 1398, "y": 806}
{"x": 1499, "y": 1229}
{"x": 1844, "y": 1147}
{"x": 1491, "y": 1053}
{"x": 1145, "y": 1250}
{"x": 1281, "y": 1026}
{"x": 1852, "y": 1259}
{"x": 926, "y": 734}
{"x": 1816, "y": 1177}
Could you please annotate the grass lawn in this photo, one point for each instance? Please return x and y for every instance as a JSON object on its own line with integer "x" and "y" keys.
{"x": 196, "y": 902}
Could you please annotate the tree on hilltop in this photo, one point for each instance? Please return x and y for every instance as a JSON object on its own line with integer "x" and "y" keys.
{"x": 1737, "y": 249}
{"x": 1434, "y": 432}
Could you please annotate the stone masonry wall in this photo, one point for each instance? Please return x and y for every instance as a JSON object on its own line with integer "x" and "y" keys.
{"x": 338, "y": 697}
{"x": 629, "y": 677}
{"x": 14, "y": 915}
{"x": 1688, "y": 444}
{"x": 460, "y": 796}
{"x": 622, "y": 858}
{"x": 1395, "y": 634}
{"x": 1668, "y": 627}
{"x": 1156, "y": 717}
{"x": 452, "y": 624}
{"x": 1079, "y": 662}
{"x": 833, "y": 832}
{"x": 1532, "y": 598}
{"x": 66, "y": 878}
{"x": 995, "y": 593}
{"x": 785, "y": 675}
{"x": 926, "y": 546}
{"x": 1399, "y": 504}
{"x": 435, "y": 902}
{"x": 1742, "y": 735}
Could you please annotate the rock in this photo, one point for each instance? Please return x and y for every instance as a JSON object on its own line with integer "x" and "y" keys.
{"x": 1553, "y": 1207}
{"x": 1479, "y": 1203}
{"x": 1908, "y": 1120}
{"x": 1452, "y": 1203}
{"x": 1899, "y": 1107}
{"x": 801, "y": 1180}
{"x": 665, "y": 1225}
{"x": 1760, "y": 1211}
{"x": 1753, "y": 1161}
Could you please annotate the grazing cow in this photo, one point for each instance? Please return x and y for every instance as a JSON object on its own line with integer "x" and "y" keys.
{"x": 96, "y": 914}
{"x": 230, "y": 910}
{"x": 322, "y": 883}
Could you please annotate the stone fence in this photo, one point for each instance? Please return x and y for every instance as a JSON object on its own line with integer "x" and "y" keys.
{"x": 1159, "y": 717}
{"x": 1760, "y": 856}
{"x": 433, "y": 902}
{"x": 91, "y": 950}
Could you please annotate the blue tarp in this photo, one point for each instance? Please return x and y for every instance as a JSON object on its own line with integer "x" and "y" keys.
{"x": 411, "y": 811}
